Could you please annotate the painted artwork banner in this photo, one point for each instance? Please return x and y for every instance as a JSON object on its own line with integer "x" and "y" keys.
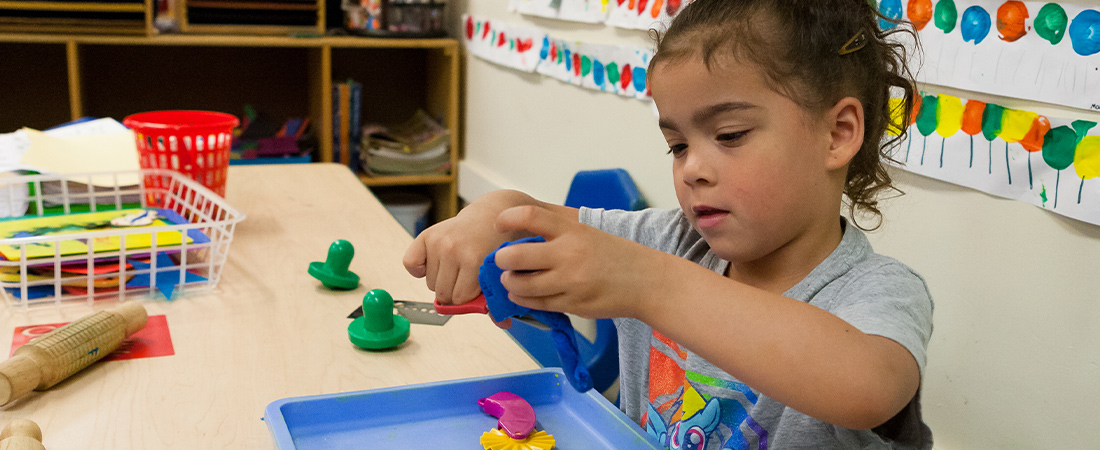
{"x": 1042, "y": 51}
{"x": 1052, "y": 163}
{"x": 616, "y": 69}
{"x": 589, "y": 11}
{"x": 644, "y": 14}
{"x": 503, "y": 43}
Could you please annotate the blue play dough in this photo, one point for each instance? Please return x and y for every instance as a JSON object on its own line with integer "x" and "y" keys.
{"x": 561, "y": 329}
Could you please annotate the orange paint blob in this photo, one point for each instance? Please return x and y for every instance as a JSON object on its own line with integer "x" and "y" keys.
{"x": 972, "y": 117}
{"x": 920, "y": 13}
{"x": 916, "y": 107}
{"x": 1011, "y": 18}
{"x": 1033, "y": 141}
{"x": 656, "y": 10}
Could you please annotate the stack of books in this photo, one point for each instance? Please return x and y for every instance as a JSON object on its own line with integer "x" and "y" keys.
{"x": 417, "y": 146}
{"x": 346, "y": 115}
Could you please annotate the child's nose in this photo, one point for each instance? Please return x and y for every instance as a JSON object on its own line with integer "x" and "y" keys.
{"x": 696, "y": 170}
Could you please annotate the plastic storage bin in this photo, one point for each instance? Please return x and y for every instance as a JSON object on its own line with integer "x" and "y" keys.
{"x": 410, "y": 210}
{"x": 57, "y": 265}
{"x": 445, "y": 415}
{"x": 194, "y": 143}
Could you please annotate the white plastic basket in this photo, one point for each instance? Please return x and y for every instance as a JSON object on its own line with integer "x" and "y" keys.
{"x": 202, "y": 210}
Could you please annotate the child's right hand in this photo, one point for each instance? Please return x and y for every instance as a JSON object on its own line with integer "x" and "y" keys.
{"x": 449, "y": 254}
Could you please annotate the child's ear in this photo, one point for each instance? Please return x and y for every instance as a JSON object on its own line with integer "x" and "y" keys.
{"x": 845, "y": 121}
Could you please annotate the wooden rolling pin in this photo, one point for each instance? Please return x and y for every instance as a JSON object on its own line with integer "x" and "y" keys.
{"x": 21, "y": 434}
{"x": 54, "y": 356}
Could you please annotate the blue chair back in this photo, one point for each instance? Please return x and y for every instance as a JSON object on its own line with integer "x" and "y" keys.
{"x": 607, "y": 189}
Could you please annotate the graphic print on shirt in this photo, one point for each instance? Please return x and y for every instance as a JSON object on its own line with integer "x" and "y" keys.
{"x": 689, "y": 411}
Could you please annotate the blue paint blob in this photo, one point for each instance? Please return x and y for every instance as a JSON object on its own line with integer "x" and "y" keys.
{"x": 1084, "y": 32}
{"x": 545, "y": 52}
{"x": 975, "y": 24}
{"x": 568, "y": 61}
{"x": 890, "y": 9}
{"x": 598, "y": 73}
{"x": 639, "y": 79}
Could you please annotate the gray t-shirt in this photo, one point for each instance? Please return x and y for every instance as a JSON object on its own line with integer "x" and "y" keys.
{"x": 684, "y": 400}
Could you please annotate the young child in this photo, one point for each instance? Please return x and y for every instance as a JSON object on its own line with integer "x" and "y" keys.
{"x": 754, "y": 316}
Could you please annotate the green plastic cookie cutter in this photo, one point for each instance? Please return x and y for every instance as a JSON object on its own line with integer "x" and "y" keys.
{"x": 378, "y": 327}
{"x": 334, "y": 273}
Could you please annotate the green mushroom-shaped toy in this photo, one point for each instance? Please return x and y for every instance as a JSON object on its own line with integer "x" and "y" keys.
{"x": 378, "y": 328}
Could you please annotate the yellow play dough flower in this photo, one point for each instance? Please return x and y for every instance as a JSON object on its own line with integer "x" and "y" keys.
{"x": 497, "y": 440}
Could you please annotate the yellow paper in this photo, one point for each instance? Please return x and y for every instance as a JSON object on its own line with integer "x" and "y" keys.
{"x": 92, "y": 153}
{"x": 80, "y": 223}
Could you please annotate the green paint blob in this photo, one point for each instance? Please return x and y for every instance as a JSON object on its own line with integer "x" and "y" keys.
{"x": 586, "y": 65}
{"x": 1059, "y": 145}
{"x": 1043, "y": 195}
{"x": 991, "y": 121}
{"x": 613, "y": 73}
{"x": 1082, "y": 128}
{"x": 926, "y": 119}
{"x": 946, "y": 15}
{"x": 511, "y": 44}
{"x": 1050, "y": 23}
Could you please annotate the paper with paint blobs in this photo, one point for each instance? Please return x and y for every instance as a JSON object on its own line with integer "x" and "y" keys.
{"x": 618, "y": 69}
{"x": 1052, "y": 163}
{"x": 608, "y": 68}
{"x": 1043, "y": 51}
{"x": 644, "y": 14}
{"x": 589, "y": 11}
{"x": 503, "y": 43}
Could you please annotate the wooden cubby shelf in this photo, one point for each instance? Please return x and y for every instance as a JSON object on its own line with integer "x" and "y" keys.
{"x": 53, "y": 78}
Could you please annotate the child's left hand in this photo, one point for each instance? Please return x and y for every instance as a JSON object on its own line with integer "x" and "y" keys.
{"x": 579, "y": 269}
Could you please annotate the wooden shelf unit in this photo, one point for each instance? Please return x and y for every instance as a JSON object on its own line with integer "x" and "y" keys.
{"x": 50, "y": 79}
{"x": 228, "y": 16}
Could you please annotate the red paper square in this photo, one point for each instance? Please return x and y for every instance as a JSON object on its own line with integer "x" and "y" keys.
{"x": 151, "y": 341}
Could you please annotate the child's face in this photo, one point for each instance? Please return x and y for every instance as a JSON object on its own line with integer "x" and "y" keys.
{"x": 748, "y": 163}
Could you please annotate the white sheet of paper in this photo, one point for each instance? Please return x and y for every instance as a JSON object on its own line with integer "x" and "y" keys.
{"x": 978, "y": 51}
{"x": 89, "y": 153}
{"x": 1003, "y": 167}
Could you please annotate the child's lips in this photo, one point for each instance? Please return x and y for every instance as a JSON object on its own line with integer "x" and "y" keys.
{"x": 708, "y": 217}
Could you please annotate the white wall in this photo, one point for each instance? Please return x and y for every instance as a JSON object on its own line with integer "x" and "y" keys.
{"x": 1014, "y": 361}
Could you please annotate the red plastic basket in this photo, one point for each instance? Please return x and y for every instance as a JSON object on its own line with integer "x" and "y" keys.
{"x": 194, "y": 143}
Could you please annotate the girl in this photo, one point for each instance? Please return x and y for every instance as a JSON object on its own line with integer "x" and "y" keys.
{"x": 754, "y": 316}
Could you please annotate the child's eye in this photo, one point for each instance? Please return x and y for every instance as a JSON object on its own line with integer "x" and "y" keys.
{"x": 730, "y": 138}
{"x": 675, "y": 150}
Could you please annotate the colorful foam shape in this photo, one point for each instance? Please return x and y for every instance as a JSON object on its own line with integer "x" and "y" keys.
{"x": 167, "y": 275}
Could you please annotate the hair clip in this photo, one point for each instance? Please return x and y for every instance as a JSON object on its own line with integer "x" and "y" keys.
{"x": 854, "y": 44}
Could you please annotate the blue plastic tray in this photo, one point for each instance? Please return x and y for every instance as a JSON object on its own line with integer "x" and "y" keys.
{"x": 446, "y": 415}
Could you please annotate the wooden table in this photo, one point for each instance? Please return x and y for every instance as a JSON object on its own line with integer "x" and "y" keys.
{"x": 268, "y": 331}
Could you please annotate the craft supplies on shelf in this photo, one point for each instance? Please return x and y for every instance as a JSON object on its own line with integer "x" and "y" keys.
{"x": 395, "y": 18}
{"x": 167, "y": 233}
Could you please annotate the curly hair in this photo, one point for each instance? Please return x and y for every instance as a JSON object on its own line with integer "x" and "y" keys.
{"x": 797, "y": 43}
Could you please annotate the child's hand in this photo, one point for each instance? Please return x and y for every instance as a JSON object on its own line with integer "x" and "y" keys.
{"x": 449, "y": 254}
{"x": 579, "y": 269}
